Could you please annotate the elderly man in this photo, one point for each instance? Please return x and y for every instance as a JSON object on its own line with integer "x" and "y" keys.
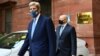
{"x": 41, "y": 36}
{"x": 66, "y": 38}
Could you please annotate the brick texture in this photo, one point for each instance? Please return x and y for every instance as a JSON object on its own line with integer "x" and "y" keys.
{"x": 88, "y": 32}
{"x": 96, "y": 16}
{"x": 84, "y": 31}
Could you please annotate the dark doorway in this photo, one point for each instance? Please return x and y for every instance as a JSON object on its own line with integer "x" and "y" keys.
{"x": 8, "y": 20}
{"x": 45, "y": 7}
{"x": 1, "y": 21}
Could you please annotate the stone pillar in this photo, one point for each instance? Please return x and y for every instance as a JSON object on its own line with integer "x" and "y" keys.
{"x": 96, "y": 25}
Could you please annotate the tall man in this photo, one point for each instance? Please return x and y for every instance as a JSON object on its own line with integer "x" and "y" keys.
{"x": 41, "y": 37}
{"x": 66, "y": 38}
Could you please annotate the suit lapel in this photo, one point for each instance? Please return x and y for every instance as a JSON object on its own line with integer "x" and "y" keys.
{"x": 37, "y": 27}
{"x": 58, "y": 31}
{"x": 65, "y": 31}
{"x": 30, "y": 28}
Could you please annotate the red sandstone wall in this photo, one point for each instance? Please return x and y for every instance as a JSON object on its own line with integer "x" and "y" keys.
{"x": 21, "y": 17}
{"x": 84, "y": 31}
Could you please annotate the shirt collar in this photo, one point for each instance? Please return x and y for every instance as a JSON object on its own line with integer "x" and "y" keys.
{"x": 37, "y": 18}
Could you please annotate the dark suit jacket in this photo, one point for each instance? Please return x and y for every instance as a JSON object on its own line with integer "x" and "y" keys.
{"x": 43, "y": 42}
{"x": 67, "y": 41}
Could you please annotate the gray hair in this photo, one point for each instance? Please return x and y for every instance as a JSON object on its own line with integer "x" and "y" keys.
{"x": 37, "y": 4}
{"x": 68, "y": 18}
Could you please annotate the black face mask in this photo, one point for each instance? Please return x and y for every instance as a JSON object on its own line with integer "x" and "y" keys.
{"x": 61, "y": 22}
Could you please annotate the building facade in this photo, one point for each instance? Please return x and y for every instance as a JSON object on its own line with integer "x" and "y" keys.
{"x": 14, "y": 14}
{"x": 73, "y": 8}
{"x": 84, "y": 15}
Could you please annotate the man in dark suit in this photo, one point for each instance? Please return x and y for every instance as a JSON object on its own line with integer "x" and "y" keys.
{"x": 66, "y": 38}
{"x": 41, "y": 36}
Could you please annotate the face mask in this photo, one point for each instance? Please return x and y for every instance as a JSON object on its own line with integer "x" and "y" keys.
{"x": 34, "y": 13}
{"x": 61, "y": 22}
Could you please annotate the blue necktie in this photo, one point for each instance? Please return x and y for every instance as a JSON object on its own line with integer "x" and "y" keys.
{"x": 33, "y": 27}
